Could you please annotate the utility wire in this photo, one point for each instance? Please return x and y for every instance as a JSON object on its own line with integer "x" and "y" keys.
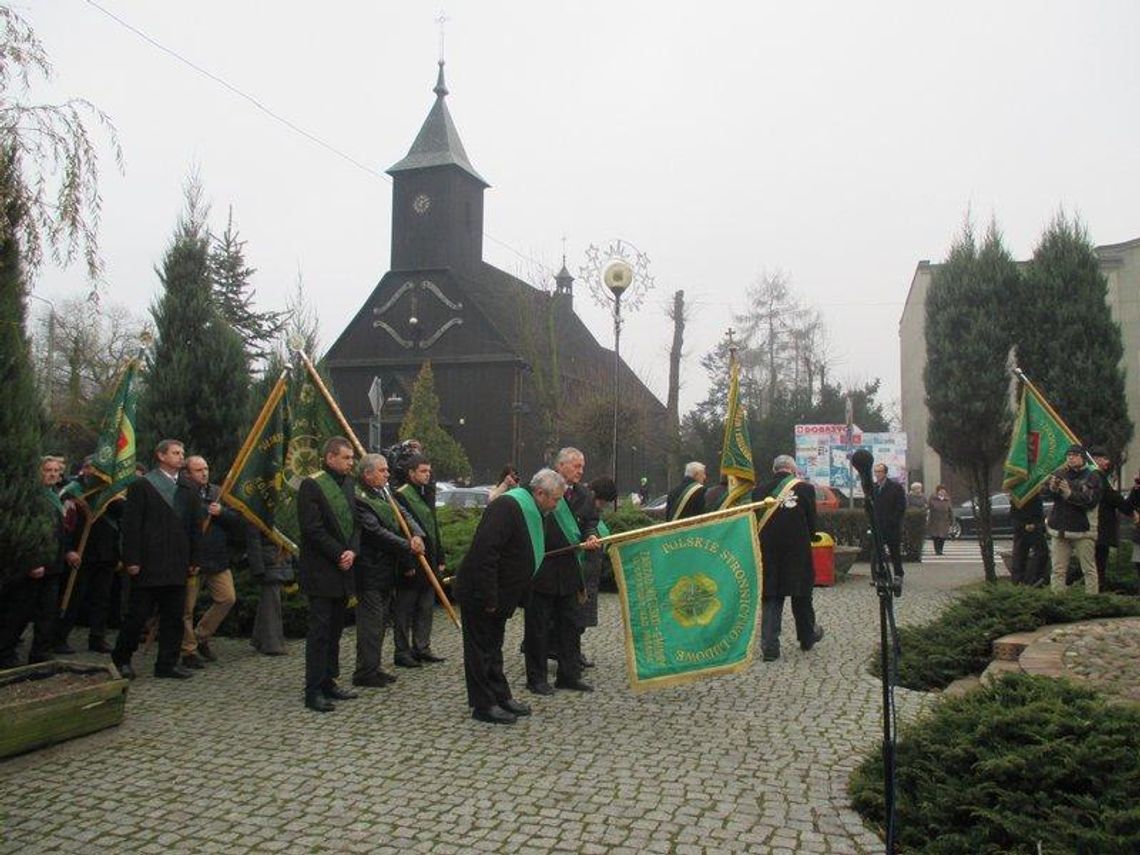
{"x": 277, "y": 117}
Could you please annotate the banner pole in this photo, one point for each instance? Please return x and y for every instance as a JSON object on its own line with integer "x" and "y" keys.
{"x": 351, "y": 436}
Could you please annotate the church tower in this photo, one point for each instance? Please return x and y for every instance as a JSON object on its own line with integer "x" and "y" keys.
{"x": 437, "y": 198}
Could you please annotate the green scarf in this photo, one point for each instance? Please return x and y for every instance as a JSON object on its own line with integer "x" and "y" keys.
{"x": 603, "y": 529}
{"x": 165, "y": 485}
{"x": 379, "y": 506}
{"x": 570, "y": 529}
{"x": 423, "y": 514}
{"x": 56, "y": 502}
{"x": 532, "y": 516}
{"x": 780, "y": 492}
{"x": 684, "y": 500}
{"x": 338, "y": 502}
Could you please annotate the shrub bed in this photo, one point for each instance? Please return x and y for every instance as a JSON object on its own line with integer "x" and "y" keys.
{"x": 1024, "y": 761}
{"x": 959, "y": 642}
{"x": 849, "y": 527}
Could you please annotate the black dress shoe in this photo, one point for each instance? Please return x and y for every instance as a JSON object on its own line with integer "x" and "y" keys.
{"x": 428, "y": 656}
{"x": 406, "y": 660}
{"x": 62, "y": 648}
{"x": 573, "y": 685}
{"x": 817, "y": 635}
{"x": 175, "y": 672}
{"x": 98, "y": 645}
{"x": 319, "y": 703}
{"x": 205, "y": 652}
{"x": 540, "y": 688}
{"x": 514, "y": 707}
{"x": 584, "y": 662}
{"x": 770, "y": 656}
{"x": 191, "y": 660}
{"x": 374, "y": 681}
{"x": 338, "y": 693}
{"x": 386, "y": 677}
{"x": 494, "y": 715}
{"x": 125, "y": 670}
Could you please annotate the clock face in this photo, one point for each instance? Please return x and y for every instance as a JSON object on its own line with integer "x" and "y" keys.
{"x": 421, "y": 203}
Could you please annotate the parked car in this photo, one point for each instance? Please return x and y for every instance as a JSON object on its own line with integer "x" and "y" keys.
{"x": 655, "y": 507}
{"x": 966, "y": 523}
{"x": 463, "y": 497}
{"x": 829, "y": 498}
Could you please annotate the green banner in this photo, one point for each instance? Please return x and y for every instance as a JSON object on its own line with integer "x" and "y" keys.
{"x": 736, "y": 450}
{"x": 1037, "y": 446}
{"x": 689, "y": 598}
{"x": 254, "y": 486}
{"x": 115, "y": 450}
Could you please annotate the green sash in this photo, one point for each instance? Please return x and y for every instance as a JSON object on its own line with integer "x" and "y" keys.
{"x": 780, "y": 491}
{"x": 423, "y": 516}
{"x": 569, "y": 526}
{"x": 603, "y": 529}
{"x": 338, "y": 502}
{"x": 684, "y": 499}
{"x": 55, "y": 500}
{"x": 379, "y": 506}
{"x": 166, "y": 486}
{"x": 533, "y": 518}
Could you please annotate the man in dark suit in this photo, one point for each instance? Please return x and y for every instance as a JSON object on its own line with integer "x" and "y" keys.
{"x": 555, "y": 589}
{"x": 890, "y": 508}
{"x": 687, "y": 499}
{"x": 161, "y": 535}
{"x": 330, "y": 542}
{"x": 785, "y": 549}
{"x": 505, "y": 552}
{"x": 415, "y": 596}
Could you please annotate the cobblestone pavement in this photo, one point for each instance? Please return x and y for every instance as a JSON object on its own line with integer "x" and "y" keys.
{"x": 230, "y": 761}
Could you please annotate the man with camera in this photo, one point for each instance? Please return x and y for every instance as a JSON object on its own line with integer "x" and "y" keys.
{"x": 1072, "y": 524}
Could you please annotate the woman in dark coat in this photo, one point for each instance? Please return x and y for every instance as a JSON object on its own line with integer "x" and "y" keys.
{"x": 940, "y": 517}
{"x": 272, "y": 568}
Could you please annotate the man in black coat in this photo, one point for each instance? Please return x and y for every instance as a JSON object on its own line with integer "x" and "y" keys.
{"x": 785, "y": 548}
{"x": 1108, "y": 523}
{"x": 34, "y": 597}
{"x": 890, "y": 507}
{"x": 492, "y": 580}
{"x": 687, "y": 499}
{"x": 384, "y": 552}
{"x": 161, "y": 536}
{"x": 415, "y": 596}
{"x": 330, "y": 541}
{"x": 554, "y": 592}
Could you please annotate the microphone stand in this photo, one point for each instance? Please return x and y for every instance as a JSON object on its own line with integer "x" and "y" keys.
{"x": 887, "y": 588}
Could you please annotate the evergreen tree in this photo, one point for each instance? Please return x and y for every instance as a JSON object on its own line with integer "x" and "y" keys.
{"x": 421, "y": 422}
{"x": 198, "y": 378}
{"x": 25, "y": 527}
{"x": 1067, "y": 341}
{"x": 967, "y": 339}
{"x": 233, "y": 295}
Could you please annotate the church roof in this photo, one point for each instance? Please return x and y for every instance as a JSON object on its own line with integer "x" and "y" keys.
{"x": 438, "y": 143}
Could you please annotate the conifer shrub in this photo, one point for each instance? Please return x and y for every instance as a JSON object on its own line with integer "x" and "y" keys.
{"x": 959, "y": 641}
{"x": 1023, "y": 761}
{"x": 850, "y": 527}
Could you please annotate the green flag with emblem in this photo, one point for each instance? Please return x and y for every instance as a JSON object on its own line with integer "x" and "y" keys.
{"x": 113, "y": 463}
{"x": 689, "y": 598}
{"x": 1037, "y": 445}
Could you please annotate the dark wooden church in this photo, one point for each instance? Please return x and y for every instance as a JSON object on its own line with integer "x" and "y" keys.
{"x": 517, "y": 372}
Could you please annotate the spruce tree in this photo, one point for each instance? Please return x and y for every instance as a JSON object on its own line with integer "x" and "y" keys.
{"x": 198, "y": 379}
{"x": 967, "y": 339}
{"x": 233, "y": 295}
{"x": 421, "y": 422}
{"x": 25, "y": 527}
{"x": 1068, "y": 343}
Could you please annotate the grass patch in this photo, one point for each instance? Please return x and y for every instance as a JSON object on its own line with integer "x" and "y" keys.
{"x": 1024, "y": 760}
{"x": 959, "y": 642}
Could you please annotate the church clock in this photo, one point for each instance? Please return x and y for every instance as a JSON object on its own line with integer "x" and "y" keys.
{"x": 421, "y": 203}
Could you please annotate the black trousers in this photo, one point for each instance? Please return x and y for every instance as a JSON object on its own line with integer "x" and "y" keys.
{"x": 93, "y": 591}
{"x": 322, "y": 642}
{"x": 894, "y": 549}
{"x": 1030, "y": 559}
{"x": 168, "y": 599}
{"x": 483, "y": 655}
{"x": 1101, "y": 555}
{"x": 373, "y": 608}
{"x": 550, "y": 615}
{"x": 23, "y": 601}
{"x": 412, "y": 618}
{"x": 772, "y": 621}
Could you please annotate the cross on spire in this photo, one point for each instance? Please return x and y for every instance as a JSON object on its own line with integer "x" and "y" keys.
{"x": 442, "y": 21}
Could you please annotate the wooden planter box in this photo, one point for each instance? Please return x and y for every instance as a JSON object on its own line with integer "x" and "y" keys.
{"x": 55, "y": 701}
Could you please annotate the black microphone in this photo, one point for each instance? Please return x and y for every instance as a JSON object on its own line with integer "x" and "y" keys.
{"x": 863, "y": 460}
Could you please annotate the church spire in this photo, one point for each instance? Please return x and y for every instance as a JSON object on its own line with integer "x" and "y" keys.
{"x": 438, "y": 143}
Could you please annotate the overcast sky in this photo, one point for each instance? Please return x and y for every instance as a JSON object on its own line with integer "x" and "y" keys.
{"x": 838, "y": 142}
